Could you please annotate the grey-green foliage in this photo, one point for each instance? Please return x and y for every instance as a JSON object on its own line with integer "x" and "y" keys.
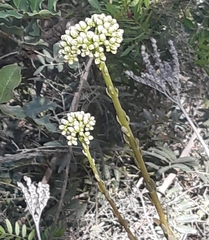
{"x": 48, "y": 61}
{"x": 14, "y": 13}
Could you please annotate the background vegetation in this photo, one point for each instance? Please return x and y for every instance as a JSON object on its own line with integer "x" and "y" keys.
{"x": 43, "y": 90}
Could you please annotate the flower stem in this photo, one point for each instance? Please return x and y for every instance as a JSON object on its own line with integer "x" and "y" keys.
{"x": 133, "y": 143}
{"x": 104, "y": 191}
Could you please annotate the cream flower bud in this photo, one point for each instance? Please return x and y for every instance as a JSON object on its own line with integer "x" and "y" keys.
{"x": 102, "y": 37}
{"x": 91, "y": 46}
{"x": 64, "y": 121}
{"x": 95, "y": 38}
{"x": 83, "y": 25}
{"x": 90, "y": 38}
{"x": 82, "y": 35}
{"x": 98, "y": 22}
{"x": 90, "y": 35}
{"x": 108, "y": 18}
{"x": 79, "y": 39}
{"x": 78, "y": 27}
{"x": 106, "y": 43}
{"x": 102, "y": 16}
{"x": 96, "y": 54}
{"x": 67, "y": 32}
{"x": 63, "y": 44}
{"x": 102, "y": 57}
{"x": 84, "y": 46}
{"x": 78, "y": 127}
{"x": 111, "y": 30}
{"x": 100, "y": 29}
{"x": 89, "y": 22}
{"x": 112, "y": 40}
{"x": 97, "y": 61}
{"x": 106, "y": 24}
{"x": 70, "y": 62}
{"x": 73, "y": 33}
{"x": 104, "y": 31}
{"x": 101, "y": 49}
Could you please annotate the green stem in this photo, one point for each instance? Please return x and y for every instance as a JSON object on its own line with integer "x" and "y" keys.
{"x": 104, "y": 191}
{"x": 130, "y": 139}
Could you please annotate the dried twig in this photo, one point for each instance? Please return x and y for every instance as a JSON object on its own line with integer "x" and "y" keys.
{"x": 171, "y": 176}
{"x": 164, "y": 77}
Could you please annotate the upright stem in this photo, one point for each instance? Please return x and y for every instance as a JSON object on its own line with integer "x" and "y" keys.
{"x": 106, "y": 193}
{"x": 129, "y": 137}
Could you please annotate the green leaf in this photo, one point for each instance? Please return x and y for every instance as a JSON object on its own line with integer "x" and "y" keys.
{"x": 135, "y": 2}
{"x": 94, "y": 4}
{"x": 128, "y": 50}
{"x": 147, "y": 115}
{"x": 50, "y": 67}
{"x": 17, "y": 30}
{"x": 35, "y": 5}
{"x": 13, "y": 111}
{"x": 24, "y": 230}
{"x": 59, "y": 67}
{"x": 41, "y": 59}
{"x": 38, "y": 105}
{"x": 10, "y": 13}
{"x": 31, "y": 235}
{"x": 189, "y": 24}
{"x": 52, "y": 5}
{"x": 47, "y": 55}
{"x": 10, "y": 78}
{"x": 17, "y": 229}
{"x": 5, "y": 6}
{"x": 147, "y": 3}
{"x": 21, "y": 5}
{"x": 45, "y": 13}
{"x": 45, "y": 121}
{"x": 39, "y": 70}
{"x": 9, "y": 226}
{"x": 1, "y": 230}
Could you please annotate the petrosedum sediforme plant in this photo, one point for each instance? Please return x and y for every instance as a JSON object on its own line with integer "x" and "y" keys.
{"x": 76, "y": 128}
{"x": 92, "y": 38}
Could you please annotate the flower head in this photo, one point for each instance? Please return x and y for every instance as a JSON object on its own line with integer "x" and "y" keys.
{"x": 36, "y": 197}
{"x": 88, "y": 37}
{"x": 78, "y": 126}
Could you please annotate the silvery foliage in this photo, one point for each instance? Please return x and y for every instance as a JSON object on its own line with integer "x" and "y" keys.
{"x": 36, "y": 197}
{"x": 164, "y": 76}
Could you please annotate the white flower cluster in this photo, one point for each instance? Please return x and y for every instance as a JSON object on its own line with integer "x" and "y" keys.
{"x": 89, "y": 37}
{"x": 36, "y": 197}
{"x": 77, "y": 126}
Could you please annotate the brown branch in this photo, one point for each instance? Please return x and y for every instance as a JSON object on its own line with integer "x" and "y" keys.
{"x": 74, "y": 107}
